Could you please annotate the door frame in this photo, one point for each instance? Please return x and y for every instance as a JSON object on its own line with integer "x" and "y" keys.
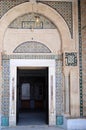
{"x": 43, "y": 84}
{"x": 14, "y": 64}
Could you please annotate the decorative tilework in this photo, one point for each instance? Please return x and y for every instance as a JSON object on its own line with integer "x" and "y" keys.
{"x": 5, "y": 84}
{"x": 64, "y": 9}
{"x": 59, "y": 120}
{"x": 8, "y": 4}
{"x": 32, "y": 47}
{"x": 71, "y": 59}
{"x": 59, "y": 96}
{"x": 6, "y": 74}
{"x": 8, "y": 57}
{"x": 4, "y": 121}
{"x": 27, "y": 21}
{"x": 80, "y": 60}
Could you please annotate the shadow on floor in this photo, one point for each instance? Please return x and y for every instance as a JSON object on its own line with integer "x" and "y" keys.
{"x": 32, "y": 118}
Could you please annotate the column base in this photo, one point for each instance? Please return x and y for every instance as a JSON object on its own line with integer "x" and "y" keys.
{"x": 12, "y": 121}
{"x": 52, "y": 120}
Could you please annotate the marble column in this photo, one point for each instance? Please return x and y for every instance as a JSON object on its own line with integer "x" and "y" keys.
{"x": 12, "y": 104}
{"x": 52, "y": 101}
{"x": 74, "y": 93}
{"x": 66, "y": 93}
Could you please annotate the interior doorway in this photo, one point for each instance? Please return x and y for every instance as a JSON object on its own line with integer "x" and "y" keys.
{"x": 32, "y": 96}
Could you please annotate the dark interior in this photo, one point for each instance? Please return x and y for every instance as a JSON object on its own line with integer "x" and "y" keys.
{"x": 32, "y": 96}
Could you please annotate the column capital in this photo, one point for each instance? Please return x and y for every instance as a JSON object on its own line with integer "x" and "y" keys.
{"x": 66, "y": 71}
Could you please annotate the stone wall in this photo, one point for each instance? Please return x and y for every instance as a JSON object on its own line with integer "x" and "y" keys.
{"x": 64, "y": 8}
{"x": 83, "y": 31}
{"x": 65, "y": 39}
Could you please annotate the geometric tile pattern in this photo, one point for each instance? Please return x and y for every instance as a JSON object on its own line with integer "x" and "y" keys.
{"x": 59, "y": 95}
{"x": 6, "y": 77}
{"x": 63, "y": 8}
{"x": 28, "y": 21}
{"x": 8, "y": 4}
{"x": 44, "y": 56}
{"x": 32, "y": 47}
{"x": 5, "y": 85}
{"x": 80, "y": 60}
{"x": 83, "y": 32}
{"x": 71, "y": 59}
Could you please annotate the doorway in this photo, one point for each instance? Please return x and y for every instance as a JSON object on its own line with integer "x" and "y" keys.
{"x": 32, "y": 96}
{"x": 16, "y": 64}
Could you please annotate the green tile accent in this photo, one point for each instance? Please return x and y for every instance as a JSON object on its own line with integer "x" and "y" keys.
{"x": 4, "y": 121}
{"x": 59, "y": 120}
